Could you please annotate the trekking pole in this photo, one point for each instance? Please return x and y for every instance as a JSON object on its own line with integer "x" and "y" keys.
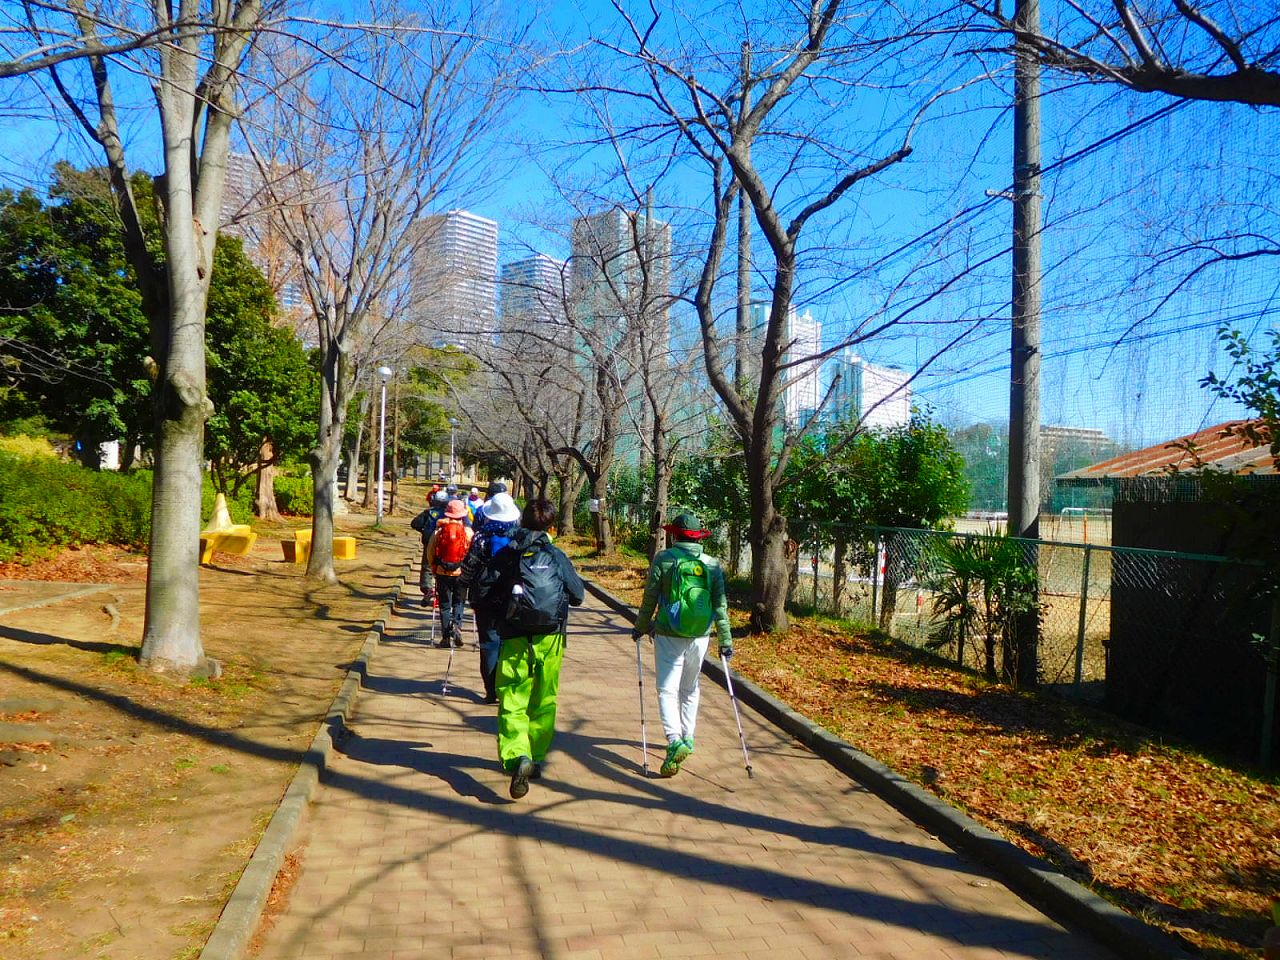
{"x": 448, "y": 669}
{"x": 644, "y": 739}
{"x": 435, "y": 611}
{"x": 728, "y": 683}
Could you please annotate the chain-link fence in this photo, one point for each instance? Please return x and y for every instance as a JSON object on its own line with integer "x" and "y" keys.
{"x": 1182, "y": 642}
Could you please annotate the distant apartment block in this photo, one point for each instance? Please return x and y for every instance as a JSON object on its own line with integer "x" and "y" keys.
{"x": 533, "y": 298}
{"x": 877, "y": 396}
{"x": 533, "y": 292}
{"x": 802, "y": 383}
{"x": 619, "y": 267}
{"x": 454, "y": 279}
{"x": 246, "y": 213}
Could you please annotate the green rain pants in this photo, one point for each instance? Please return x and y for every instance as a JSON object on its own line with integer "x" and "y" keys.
{"x": 528, "y": 682}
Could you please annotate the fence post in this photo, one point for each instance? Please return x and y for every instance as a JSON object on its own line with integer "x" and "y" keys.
{"x": 1273, "y": 667}
{"x": 1084, "y": 608}
{"x": 875, "y": 576}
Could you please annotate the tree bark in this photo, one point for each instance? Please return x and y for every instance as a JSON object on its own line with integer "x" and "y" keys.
{"x": 264, "y": 499}
{"x": 324, "y": 465}
{"x": 353, "y": 458}
{"x": 371, "y": 458}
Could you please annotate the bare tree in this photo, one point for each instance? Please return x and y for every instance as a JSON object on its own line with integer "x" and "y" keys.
{"x": 190, "y": 58}
{"x": 359, "y": 160}
{"x": 696, "y": 95}
{"x": 1227, "y": 51}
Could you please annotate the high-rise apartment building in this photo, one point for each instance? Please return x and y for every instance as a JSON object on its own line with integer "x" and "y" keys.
{"x": 878, "y": 396}
{"x": 454, "y": 279}
{"x": 533, "y": 295}
{"x": 801, "y": 383}
{"x": 620, "y": 266}
{"x": 246, "y": 213}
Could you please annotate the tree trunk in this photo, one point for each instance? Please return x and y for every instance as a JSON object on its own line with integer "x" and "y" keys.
{"x": 661, "y": 488}
{"x": 371, "y": 458}
{"x": 571, "y": 481}
{"x": 171, "y": 636}
{"x": 838, "y": 573}
{"x": 735, "y": 548}
{"x": 324, "y": 466}
{"x": 264, "y": 499}
{"x": 353, "y": 457}
{"x": 604, "y": 529}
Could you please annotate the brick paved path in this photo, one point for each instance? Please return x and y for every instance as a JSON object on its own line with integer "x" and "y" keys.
{"x": 413, "y": 850}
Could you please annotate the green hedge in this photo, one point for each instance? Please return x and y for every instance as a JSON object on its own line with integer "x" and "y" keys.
{"x": 46, "y": 503}
{"x": 295, "y": 495}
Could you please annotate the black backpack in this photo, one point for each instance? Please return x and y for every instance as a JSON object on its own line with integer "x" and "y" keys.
{"x": 536, "y": 601}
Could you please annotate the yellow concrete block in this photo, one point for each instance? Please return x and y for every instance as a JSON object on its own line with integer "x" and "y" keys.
{"x": 237, "y": 543}
{"x": 239, "y": 529}
{"x": 208, "y": 543}
{"x": 344, "y": 548}
{"x": 303, "y": 536}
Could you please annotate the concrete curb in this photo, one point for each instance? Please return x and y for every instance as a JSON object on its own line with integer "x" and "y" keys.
{"x": 1061, "y": 897}
{"x": 243, "y": 911}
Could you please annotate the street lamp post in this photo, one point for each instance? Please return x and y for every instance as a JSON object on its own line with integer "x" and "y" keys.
{"x": 453, "y": 463}
{"x": 384, "y": 373}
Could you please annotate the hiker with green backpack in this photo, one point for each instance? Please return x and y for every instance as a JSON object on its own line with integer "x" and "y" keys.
{"x": 684, "y": 598}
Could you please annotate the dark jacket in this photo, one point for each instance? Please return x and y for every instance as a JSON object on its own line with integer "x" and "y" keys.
{"x": 507, "y": 562}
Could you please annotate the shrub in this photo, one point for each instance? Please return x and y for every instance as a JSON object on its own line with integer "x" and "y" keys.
{"x": 27, "y": 446}
{"x": 295, "y": 495}
{"x": 46, "y": 503}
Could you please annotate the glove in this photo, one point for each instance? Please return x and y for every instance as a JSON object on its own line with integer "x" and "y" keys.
{"x": 726, "y": 652}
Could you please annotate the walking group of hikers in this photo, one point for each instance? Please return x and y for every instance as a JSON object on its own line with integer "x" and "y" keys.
{"x": 521, "y": 586}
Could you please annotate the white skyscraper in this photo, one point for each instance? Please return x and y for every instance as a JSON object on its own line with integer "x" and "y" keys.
{"x": 455, "y": 274}
{"x": 802, "y": 383}
{"x": 246, "y": 213}
{"x": 533, "y": 296}
{"x": 620, "y": 263}
{"x": 879, "y": 396}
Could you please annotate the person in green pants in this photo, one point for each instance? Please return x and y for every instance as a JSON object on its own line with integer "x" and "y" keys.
{"x": 540, "y": 585}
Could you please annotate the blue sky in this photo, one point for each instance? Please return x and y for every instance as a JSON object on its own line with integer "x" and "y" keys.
{"x": 1112, "y": 216}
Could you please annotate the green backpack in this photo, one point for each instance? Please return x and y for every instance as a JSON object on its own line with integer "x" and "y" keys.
{"x": 686, "y": 603}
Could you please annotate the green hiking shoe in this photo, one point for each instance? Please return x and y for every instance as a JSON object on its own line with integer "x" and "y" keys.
{"x": 677, "y": 750}
{"x": 688, "y": 742}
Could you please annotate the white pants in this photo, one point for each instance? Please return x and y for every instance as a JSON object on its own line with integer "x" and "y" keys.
{"x": 678, "y": 663}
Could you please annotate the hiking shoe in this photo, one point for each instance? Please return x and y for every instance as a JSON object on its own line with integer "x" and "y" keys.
{"x": 443, "y": 642}
{"x": 520, "y": 775}
{"x": 457, "y": 636}
{"x": 688, "y": 742}
{"x": 676, "y": 752}
{"x": 537, "y": 771}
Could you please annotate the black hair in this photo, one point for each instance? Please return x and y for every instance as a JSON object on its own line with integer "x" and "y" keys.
{"x": 538, "y": 515}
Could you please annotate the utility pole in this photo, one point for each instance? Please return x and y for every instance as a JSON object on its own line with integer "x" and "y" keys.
{"x": 1024, "y": 368}
{"x": 742, "y": 327}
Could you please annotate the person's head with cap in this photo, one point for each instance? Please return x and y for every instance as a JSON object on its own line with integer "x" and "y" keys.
{"x": 440, "y": 497}
{"x": 451, "y": 489}
{"x": 475, "y": 494}
{"x": 501, "y": 509}
{"x": 455, "y": 509}
{"x": 686, "y": 527}
{"x": 496, "y": 487}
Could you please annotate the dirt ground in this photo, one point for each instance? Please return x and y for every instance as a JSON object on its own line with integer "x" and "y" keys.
{"x": 130, "y": 804}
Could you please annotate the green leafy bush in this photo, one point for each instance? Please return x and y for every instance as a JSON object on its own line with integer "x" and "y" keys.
{"x": 295, "y": 495}
{"x": 46, "y": 503}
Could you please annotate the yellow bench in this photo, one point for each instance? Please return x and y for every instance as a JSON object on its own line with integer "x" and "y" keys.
{"x": 237, "y": 540}
{"x": 298, "y": 550}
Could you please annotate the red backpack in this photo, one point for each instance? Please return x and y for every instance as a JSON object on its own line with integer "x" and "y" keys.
{"x": 451, "y": 545}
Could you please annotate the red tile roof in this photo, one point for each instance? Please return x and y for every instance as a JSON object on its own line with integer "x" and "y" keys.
{"x": 1217, "y": 447}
